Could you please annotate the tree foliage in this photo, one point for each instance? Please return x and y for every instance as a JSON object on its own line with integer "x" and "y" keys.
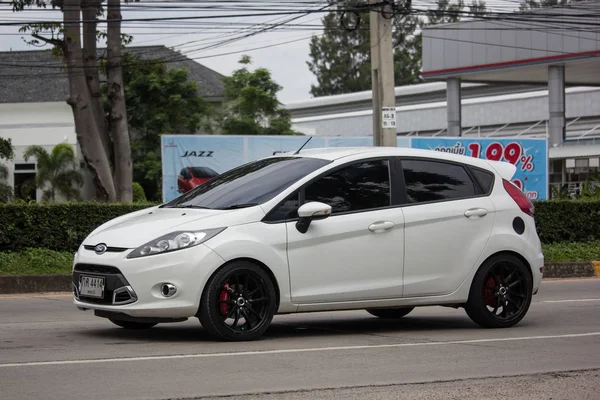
{"x": 6, "y": 153}
{"x": 106, "y": 151}
{"x": 56, "y": 171}
{"x": 340, "y": 59}
{"x": 251, "y": 106}
{"x": 159, "y": 100}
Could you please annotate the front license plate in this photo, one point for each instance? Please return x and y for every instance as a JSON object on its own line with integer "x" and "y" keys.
{"x": 91, "y": 286}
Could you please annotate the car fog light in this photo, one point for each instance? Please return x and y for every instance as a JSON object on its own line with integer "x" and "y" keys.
{"x": 168, "y": 289}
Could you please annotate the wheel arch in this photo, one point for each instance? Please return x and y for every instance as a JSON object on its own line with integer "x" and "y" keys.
{"x": 254, "y": 261}
{"x": 515, "y": 254}
{"x": 501, "y": 253}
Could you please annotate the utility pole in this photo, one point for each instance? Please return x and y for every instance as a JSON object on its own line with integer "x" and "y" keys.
{"x": 382, "y": 73}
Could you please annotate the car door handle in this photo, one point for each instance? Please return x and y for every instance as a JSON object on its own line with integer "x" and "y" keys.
{"x": 476, "y": 212}
{"x": 381, "y": 226}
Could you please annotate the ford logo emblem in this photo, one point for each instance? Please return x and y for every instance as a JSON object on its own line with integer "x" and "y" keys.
{"x": 100, "y": 248}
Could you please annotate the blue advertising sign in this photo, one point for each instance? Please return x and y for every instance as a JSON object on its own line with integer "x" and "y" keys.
{"x": 530, "y": 156}
{"x": 190, "y": 160}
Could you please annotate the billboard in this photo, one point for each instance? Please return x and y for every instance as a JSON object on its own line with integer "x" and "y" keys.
{"x": 190, "y": 160}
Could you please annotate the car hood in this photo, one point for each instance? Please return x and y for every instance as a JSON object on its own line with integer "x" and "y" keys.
{"x": 135, "y": 229}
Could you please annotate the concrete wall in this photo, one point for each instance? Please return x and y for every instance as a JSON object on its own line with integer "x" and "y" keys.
{"x": 44, "y": 124}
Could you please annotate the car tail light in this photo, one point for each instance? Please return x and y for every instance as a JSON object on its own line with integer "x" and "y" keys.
{"x": 519, "y": 197}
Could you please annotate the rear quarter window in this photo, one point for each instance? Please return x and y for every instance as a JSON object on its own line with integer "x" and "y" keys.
{"x": 484, "y": 178}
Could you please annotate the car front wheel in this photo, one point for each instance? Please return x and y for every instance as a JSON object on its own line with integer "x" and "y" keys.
{"x": 501, "y": 292}
{"x": 390, "y": 312}
{"x": 238, "y": 303}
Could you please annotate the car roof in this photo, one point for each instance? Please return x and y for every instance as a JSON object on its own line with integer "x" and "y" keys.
{"x": 339, "y": 153}
{"x": 335, "y": 153}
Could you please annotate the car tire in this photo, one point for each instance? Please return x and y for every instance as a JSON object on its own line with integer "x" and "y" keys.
{"x": 502, "y": 281}
{"x": 133, "y": 325}
{"x": 238, "y": 291}
{"x": 390, "y": 313}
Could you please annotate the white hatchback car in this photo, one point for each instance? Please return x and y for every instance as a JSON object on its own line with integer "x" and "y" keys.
{"x": 382, "y": 229}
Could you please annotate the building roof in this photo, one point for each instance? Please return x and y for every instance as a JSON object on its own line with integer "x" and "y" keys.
{"x": 517, "y": 48}
{"x": 35, "y": 76}
{"x": 421, "y": 94}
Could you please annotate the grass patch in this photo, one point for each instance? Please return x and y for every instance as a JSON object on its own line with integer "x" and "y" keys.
{"x": 43, "y": 261}
{"x": 565, "y": 252}
{"x": 35, "y": 261}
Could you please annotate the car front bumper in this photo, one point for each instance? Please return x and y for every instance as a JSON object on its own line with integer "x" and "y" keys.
{"x": 133, "y": 286}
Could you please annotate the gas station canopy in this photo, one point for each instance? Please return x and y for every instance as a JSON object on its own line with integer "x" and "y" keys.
{"x": 517, "y": 48}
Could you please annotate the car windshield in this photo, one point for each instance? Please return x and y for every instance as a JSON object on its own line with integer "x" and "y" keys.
{"x": 251, "y": 184}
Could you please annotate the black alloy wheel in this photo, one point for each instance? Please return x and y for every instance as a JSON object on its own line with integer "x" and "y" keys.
{"x": 238, "y": 303}
{"x": 390, "y": 313}
{"x": 132, "y": 325}
{"x": 501, "y": 292}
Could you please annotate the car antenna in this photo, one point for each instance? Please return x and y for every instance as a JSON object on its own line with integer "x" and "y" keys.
{"x": 305, "y": 143}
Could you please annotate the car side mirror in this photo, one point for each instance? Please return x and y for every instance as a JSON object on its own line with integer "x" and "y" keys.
{"x": 310, "y": 212}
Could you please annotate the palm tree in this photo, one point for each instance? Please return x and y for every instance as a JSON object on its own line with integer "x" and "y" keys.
{"x": 57, "y": 169}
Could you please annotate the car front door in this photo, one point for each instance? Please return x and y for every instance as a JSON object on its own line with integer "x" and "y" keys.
{"x": 448, "y": 219}
{"x": 357, "y": 252}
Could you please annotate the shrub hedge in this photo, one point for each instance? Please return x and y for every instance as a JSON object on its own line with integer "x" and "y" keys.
{"x": 59, "y": 227}
{"x": 568, "y": 220}
{"x": 63, "y": 226}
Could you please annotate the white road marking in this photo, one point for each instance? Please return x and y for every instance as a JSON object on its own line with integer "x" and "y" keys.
{"x": 568, "y": 300}
{"x": 288, "y": 351}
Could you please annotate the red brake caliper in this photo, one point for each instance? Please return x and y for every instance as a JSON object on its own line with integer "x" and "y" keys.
{"x": 224, "y": 295}
{"x": 488, "y": 292}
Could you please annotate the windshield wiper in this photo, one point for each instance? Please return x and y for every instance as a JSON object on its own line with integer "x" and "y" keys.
{"x": 234, "y": 206}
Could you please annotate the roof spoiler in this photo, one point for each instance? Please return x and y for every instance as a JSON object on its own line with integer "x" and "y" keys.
{"x": 505, "y": 169}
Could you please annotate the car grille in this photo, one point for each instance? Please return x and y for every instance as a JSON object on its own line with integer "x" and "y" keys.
{"x": 117, "y": 290}
{"x": 98, "y": 269}
{"x": 108, "y": 249}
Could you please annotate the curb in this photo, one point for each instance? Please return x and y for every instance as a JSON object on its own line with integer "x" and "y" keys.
{"x": 17, "y": 284}
{"x": 572, "y": 269}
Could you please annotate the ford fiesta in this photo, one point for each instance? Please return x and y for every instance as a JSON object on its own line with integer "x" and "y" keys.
{"x": 380, "y": 229}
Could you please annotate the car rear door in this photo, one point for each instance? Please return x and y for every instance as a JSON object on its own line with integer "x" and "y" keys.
{"x": 357, "y": 253}
{"x": 448, "y": 219}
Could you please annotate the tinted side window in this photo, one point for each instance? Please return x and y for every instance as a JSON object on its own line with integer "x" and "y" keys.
{"x": 434, "y": 181}
{"x": 485, "y": 179}
{"x": 360, "y": 186}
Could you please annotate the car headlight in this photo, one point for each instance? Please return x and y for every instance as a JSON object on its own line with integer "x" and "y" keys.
{"x": 174, "y": 241}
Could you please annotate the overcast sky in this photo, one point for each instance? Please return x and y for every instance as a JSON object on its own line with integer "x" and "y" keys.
{"x": 287, "y": 62}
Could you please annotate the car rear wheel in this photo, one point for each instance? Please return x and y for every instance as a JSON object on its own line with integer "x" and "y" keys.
{"x": 132, "y": 325}
{"x": 238, "y": 303}
{"x": 390, "y": 312}
{"x": 501, "y": 292}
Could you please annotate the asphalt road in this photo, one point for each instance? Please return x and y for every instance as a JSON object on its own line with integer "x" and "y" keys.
{"x": 51, "y": 350}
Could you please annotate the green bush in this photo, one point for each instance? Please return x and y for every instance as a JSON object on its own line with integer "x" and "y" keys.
{"x": 139, "y": 196}
{"x": 35, "y": 261}
{"x": 569, "y": 252}
{"x": 568, "y": 220}
{"x": 55, "y": 226}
